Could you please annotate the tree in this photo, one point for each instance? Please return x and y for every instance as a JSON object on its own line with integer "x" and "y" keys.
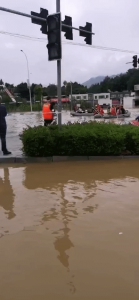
{"x": 133, "y": 79}
{"x": 65, "y": 87}
{"x": 52, "y": 90}
{"x": 38, "y": 92}
{"x": 76, "y": 88}
{"x": 65, "y": 83}
{"x": 33, "y": 87}
{"x": 119, "y": 83}
{"x": 22, "y": 89}
{"x": 44, "y": 91}
{"x": 1, "y": 83}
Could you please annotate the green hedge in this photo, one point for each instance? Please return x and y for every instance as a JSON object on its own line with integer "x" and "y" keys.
{"x": 81, "y": 139}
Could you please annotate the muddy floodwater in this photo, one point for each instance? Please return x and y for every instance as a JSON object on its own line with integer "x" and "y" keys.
{"x": 70, "y": 231}
{"x": 18, "y": 121}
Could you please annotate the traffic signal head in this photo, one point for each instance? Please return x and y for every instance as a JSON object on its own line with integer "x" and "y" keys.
{"x": 43, "y": 14}
{"x": 54, "y": 36}
{"x": 68, "y": 30}
{"x": 135, "y": 61}
{"x": 87, "y": 35}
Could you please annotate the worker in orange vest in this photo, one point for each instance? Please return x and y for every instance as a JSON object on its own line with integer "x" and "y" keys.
{"x": 113, "y": 111}
{"x": 100, "y": 110}
{"x": 48, "y": 114}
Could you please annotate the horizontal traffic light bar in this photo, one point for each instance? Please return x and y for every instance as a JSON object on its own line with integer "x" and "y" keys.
{"x": 75, "y": 28}
{"x": 39, "y": 18}
{"x": 21, "y": 14}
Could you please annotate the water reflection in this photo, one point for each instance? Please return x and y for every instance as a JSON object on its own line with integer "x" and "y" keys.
{"x": 7, "y": 195}
{"x": 63, "y": 243}
{"x": 83, "y": 206}
{"x": 38, "y": 198}
{"x": 69, "y": 209}
{"x": 90, "y": 208}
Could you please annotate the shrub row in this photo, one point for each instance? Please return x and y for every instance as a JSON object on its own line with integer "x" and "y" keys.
{"x": 81, "y": 139}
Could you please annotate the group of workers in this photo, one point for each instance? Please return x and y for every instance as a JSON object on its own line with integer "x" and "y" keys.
{"x": 118, "y": 110}
{"x": 48, "y": 111}
{"x": 98, "y": 110}
{"x": 114, "y": 110}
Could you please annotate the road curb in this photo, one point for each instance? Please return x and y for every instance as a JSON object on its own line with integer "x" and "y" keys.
{"x": 26, "y": 160}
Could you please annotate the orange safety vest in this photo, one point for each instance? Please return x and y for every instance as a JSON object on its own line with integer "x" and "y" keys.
{"x": 47, "y": 113}
{"x": 101, "y": 111}
{"x": 113, "y": 111}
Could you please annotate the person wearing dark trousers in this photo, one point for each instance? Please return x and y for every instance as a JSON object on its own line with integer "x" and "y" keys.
{"x": 3, "y": 128}
{"x": 137, "y": 118}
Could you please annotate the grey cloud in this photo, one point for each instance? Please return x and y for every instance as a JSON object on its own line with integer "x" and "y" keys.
{"x": 115, "y": 24}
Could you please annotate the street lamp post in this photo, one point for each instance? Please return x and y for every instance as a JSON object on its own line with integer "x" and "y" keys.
{"x": 28, "y": 80}
{"x": 71, "y": 94}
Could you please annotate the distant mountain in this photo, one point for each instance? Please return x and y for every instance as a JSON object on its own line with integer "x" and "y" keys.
{"x": 94, "y": 80}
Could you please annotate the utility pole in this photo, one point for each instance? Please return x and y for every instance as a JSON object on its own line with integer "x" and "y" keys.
{"x": 59, "y": 77}
{"x": 28, "y": 81}
{"x": 71, "y": 93}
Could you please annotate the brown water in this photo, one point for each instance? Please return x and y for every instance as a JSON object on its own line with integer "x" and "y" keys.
{"x": 70, "y": 231}
{"x": 18, "y": 121}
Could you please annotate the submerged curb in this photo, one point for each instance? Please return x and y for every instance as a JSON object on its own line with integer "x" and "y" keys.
{"x": 25, "y": 160}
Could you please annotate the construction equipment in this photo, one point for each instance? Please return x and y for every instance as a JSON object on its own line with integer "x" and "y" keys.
{"x": 8, "y": 93}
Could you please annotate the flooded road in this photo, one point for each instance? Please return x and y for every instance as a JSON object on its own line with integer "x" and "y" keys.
{"x": 18, "y": 121}
{"x": 69, "y": 231}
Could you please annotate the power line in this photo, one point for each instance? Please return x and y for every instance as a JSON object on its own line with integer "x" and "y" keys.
{"x": 22, "y": 36}
{"x": 100, "y": 47}
{"x": 36, "y": 39}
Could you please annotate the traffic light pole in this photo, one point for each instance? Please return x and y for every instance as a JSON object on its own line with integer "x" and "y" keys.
{"x": 59, "y": 78}
{"x": 84, "y": 31}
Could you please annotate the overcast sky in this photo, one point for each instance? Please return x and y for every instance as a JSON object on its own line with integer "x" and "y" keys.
{"x": 115, "y": 23}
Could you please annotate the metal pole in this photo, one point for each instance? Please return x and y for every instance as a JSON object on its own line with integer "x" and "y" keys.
{"x": 71, "y": 94}
{"x": 28, "y": 80}
{"x": 93, "y": 100}
{"x": 59, "y": 78}
{"x": 39, "y": 18}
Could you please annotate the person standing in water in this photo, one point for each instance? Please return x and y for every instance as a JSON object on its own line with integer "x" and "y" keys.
{"x": 3, "y": 128}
